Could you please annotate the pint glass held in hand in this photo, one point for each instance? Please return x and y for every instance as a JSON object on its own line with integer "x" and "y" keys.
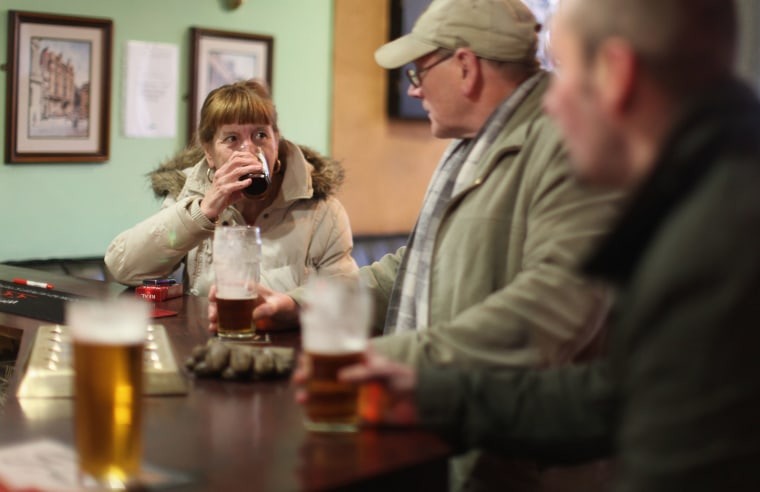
{"x": 335, "y": 329}
{"x": 332, "y": 405}
{"x": 237, "y": 252}
{"x": 108, "y": 339}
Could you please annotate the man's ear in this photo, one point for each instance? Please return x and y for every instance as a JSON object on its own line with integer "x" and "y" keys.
{"x": 469, "y": 71}
{"x": 615, "y": 73}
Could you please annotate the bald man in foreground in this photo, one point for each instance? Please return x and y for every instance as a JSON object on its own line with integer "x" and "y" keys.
{"x": 647, "y": 100}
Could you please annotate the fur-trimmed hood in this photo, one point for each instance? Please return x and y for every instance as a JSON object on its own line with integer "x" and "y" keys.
{"x": 169, "y": 178}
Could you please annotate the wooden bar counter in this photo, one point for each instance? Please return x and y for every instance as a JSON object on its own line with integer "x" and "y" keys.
{"x": 228, "y": 436}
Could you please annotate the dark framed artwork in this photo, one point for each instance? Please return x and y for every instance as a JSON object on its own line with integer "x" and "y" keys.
{"x": 58, "y": 100}
{"x": 403, "y": 14}
{"x": 223, "y": 57}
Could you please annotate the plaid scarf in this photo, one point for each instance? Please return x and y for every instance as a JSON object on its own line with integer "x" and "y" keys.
{"x": 408, "y": 308}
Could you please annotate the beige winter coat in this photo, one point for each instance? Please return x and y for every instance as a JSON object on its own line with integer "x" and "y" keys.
{"x": 305, "y": 230}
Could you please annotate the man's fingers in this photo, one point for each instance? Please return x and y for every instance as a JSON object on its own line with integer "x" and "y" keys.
{"x": 359, "y": 373}
{"x": 302, "y": 370}
{"x": 375, "y": 367}
{"x": 302, "y": 396}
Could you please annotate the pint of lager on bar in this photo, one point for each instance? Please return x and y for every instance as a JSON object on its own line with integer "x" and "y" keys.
{"x": 334, "y": 329}
{"x": 237, "y": 253}
{"x": 108, "y": 337}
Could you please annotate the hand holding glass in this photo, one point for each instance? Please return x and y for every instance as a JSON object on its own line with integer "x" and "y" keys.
{"x": 259, "y": 181}
{"x": 335, "y": 330}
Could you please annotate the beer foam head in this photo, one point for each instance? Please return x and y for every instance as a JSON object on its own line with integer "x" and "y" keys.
{"x": 224, "y": 291}
{"x": 236, "y": 243}
{"x": 110, "y": 321}
{"x": 236, "y": 279}
{"x": 335, "y": 316}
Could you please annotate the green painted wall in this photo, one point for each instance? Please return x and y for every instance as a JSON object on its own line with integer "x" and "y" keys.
{"x": 74, "y": 210}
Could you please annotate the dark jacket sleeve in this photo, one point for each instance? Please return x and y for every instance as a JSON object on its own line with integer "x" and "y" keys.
{"x": 562, "y": 415}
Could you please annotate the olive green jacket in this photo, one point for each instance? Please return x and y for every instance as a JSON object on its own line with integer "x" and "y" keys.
{"x": 503, "y": 287}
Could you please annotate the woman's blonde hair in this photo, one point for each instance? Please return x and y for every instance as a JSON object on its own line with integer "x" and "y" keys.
{"x": 243, "y": 102}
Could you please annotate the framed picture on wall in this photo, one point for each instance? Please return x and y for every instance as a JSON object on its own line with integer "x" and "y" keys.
{"x": 223, "y": 57}
{"x": 58, "y": 106}
{"x": 403, "y": 14}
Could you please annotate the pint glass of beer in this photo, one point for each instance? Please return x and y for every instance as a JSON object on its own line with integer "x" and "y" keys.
{"x": 335, "y": 330}
{"x": 237, "y": 252}
{"x": 108, "y": 337}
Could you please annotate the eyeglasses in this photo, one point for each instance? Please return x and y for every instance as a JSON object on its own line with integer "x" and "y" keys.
{"x": 415, "y": 76}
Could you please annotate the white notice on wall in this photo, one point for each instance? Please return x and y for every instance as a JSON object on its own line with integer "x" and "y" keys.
{"x": 150, "y": 90}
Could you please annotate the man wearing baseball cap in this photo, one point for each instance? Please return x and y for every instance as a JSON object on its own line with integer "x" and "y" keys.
{"x": 488, "y": 278}
{"x": 493, "y": 30}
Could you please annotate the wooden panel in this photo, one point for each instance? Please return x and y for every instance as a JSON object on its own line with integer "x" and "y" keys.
{"x": 388, "y": 163}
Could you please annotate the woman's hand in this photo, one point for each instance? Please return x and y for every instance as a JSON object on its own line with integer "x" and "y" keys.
{"x": 213, "y": 312}
{"x": 274, "y": 311}
{"x": 226, "y": 187}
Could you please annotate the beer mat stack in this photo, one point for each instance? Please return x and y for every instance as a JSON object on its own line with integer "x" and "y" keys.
{"x": 34, "y": 302}
{"x": 239, "y": 362}
{"x": 50, "y": 374}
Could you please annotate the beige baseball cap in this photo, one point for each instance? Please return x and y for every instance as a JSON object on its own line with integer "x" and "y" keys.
{"x": 500, "y": 30}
